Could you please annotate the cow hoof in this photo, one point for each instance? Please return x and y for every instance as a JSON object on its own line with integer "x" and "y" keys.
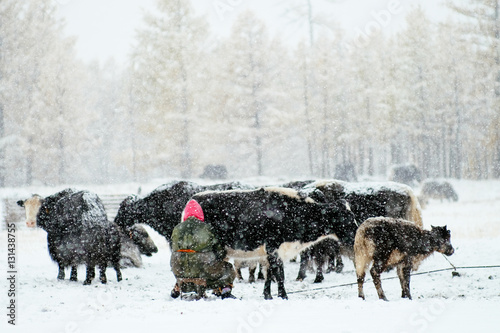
{"x": 318, "y": 280}
{"x": 87, "y": 282}
{"x": 268, "y": 297}
{"x": 73, "y": 278}
{"x": 282, "y": 295}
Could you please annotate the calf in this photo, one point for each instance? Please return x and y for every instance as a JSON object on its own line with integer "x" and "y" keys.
{"x": 252, "y": 268}
{"x": 78, "y": 232}
{"x": 366, "y": 199}
{"x": 325, "y": 252}
{"x": 135, "y": 244}
{"x": 390, "y": 242}
{"x": 243, "y": 221}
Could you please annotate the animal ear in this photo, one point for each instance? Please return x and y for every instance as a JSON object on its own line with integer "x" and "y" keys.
{"x": 433, "y": 227}
{"x": 20, "y": 203}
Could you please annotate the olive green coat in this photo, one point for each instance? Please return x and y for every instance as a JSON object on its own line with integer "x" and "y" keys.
{"x": 207, "y": 262}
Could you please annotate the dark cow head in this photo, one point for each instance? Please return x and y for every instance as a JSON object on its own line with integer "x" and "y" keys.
{"x": 441, "y": 235}
{"x": 31, "y": 206}
{"x": 141, "y": 238}
{"x": 125, "y": 216}
{"x": 341, "y": 221}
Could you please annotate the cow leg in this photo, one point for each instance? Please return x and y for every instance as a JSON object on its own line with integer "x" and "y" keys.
{"x": 116, "y": 266}
{"x": 102, "y": 273}
{"x": 261, "y": 276}
{"x": 320, "y": 261}
{"x": 339, "y": 264}
{"x": 74, "y": 274}
{"x": 361, "y": 281}
{"x": 238, "y": 271}
{"x": 361, "y": 262}
{"x": 404, "y": 270}
{"x": 267, "y": 287}
{"x": 331, "y": 262}
{"x": 335, "y": 263}
{"x": 251, "y": 272}
{"x": 116, "y": 256}
{"x": 61, "y": 275}
{"x": 276, "y": 270}
{"x": 270, "y": 272}
{"x": 377, "y": 268}
{"x": 90, "y": 274}
{"x": 335, "y": 255}
{"x": 305, "y": 256}
{"x": 279, "y": 274}
{"x": 263, "y": 269}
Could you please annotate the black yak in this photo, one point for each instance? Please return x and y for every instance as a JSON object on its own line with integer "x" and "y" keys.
{"x": 162, "y": 208}
{"x": 78, "y": 232}
{"x": 246, "y": 220}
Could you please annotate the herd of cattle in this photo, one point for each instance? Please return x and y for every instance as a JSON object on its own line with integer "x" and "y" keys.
{"x": 320, "y": 220}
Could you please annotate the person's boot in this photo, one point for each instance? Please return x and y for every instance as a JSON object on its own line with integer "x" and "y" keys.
{"x": 225, "y": 292}
{"x": 176, "y": 292}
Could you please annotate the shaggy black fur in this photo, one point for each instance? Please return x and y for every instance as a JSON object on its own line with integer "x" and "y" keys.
{"x": 245, "y": 220}
{"x": 78, "y": 232}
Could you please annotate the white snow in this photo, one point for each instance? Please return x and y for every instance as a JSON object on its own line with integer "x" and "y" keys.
{"x": 442, "y": 303}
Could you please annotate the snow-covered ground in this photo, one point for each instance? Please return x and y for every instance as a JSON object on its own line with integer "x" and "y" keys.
{"x": 442, "y": 303}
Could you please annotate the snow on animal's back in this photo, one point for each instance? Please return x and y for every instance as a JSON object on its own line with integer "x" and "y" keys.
{"x": 288, "y": 192}
{"x": 397, "y": 199}
{"x": 79, "y": 210}
{"x": 95, "y": 208}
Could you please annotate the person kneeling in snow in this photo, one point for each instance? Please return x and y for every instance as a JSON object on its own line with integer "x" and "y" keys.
{"x": 198, "y": 257}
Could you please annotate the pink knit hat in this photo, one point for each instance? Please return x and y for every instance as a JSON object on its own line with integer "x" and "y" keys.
{"x": 193, "y": 208}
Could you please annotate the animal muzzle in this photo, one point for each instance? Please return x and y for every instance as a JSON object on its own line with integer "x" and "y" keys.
{"x": 31, "y": 223}
{"x": 449, "y": 250}
{"x": 148, "y": 248}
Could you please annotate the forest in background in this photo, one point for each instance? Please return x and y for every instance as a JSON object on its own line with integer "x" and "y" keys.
{"x": 428, "y": 95}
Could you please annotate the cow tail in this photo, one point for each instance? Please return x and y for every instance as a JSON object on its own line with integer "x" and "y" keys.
{"x": 363, "y": 252}
{"x": 414, "y": 211}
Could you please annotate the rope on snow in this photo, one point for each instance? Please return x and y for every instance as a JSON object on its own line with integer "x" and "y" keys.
{"x": 454, "y": 268}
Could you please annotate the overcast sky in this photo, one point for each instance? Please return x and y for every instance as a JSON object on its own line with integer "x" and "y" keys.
{"x": 106, "y": 28}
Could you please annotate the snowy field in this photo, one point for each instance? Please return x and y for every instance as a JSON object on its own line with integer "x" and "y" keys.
{"x": 441, "y": 303}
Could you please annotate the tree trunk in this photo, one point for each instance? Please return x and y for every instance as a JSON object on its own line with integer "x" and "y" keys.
{"x": 29, "y": 162}
{"x": 2, "y": 148}
{"x": 496, "y": 134}
{"x": 309, "y": 131}
{"x": 258, "y": 140}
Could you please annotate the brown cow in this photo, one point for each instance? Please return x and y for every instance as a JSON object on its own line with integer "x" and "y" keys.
{"x": 390, "y": 242}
